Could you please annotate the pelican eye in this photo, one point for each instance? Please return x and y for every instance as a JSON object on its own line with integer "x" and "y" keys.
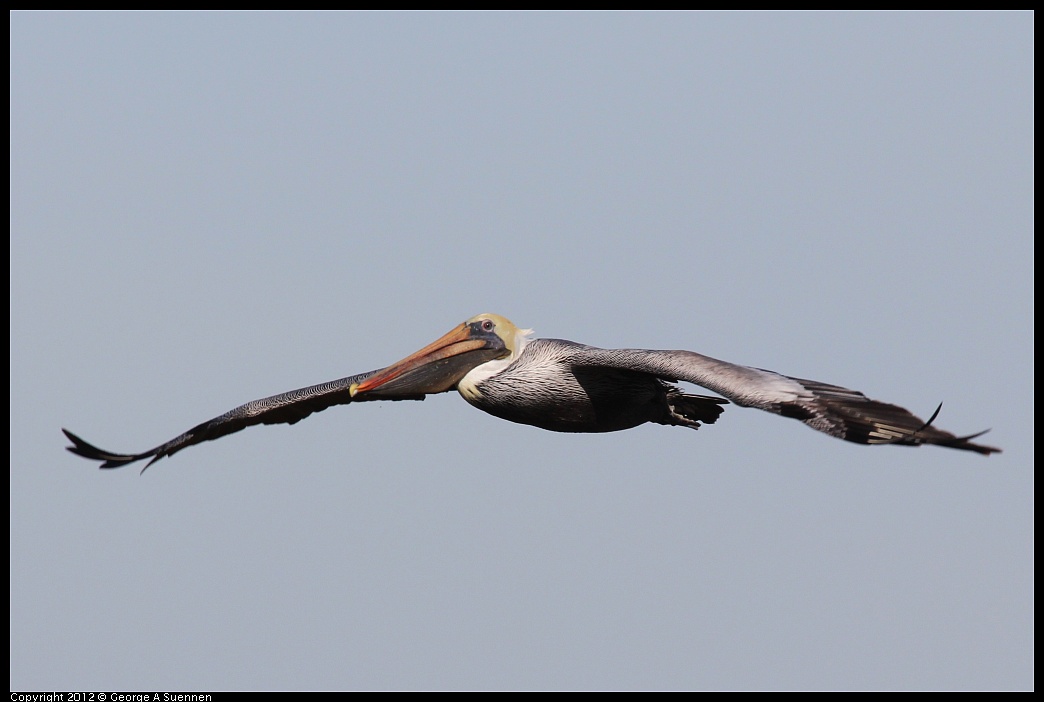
{"x": 487, "y": 325}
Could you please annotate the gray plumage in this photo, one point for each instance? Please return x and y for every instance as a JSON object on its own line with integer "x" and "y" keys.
{"x": 565, "y": 386}
{"x": 619, "y": 383}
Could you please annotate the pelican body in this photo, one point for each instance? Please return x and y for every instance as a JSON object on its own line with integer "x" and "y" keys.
{"x": 569, "y": 387}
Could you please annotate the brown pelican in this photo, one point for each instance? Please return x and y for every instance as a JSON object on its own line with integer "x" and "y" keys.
{"x": 564, "y": 386}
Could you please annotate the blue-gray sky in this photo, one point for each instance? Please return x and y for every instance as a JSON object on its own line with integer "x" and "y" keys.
{"x": 211, "y": 208}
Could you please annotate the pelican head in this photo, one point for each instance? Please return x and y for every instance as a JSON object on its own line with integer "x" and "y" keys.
{"x": 440, "y": 365}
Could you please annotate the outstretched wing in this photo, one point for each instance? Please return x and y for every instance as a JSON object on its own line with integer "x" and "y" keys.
{"x": 846, "y": 414}
{"x": 285, "y": 408}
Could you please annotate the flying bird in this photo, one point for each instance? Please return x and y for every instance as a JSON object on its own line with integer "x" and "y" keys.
{"x": 565, "y": 386}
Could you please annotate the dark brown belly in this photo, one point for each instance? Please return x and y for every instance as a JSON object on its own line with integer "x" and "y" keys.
{"x": 596, "y": 401}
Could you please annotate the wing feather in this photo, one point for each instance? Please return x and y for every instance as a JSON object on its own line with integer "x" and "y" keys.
{"x": 284, "y": 408}
{"x": 832, "y": 409}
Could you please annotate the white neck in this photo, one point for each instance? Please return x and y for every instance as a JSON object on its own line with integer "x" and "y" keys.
{"x": 468, "y": 385}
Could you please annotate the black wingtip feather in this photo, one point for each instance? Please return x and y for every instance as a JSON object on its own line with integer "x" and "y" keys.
{"x": 108, "y": 458}
{"x": 942, "y": 438}
{"x": 964, "y": 442}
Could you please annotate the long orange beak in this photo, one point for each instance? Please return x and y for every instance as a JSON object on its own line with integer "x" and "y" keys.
{"x": 437, "y": 367}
